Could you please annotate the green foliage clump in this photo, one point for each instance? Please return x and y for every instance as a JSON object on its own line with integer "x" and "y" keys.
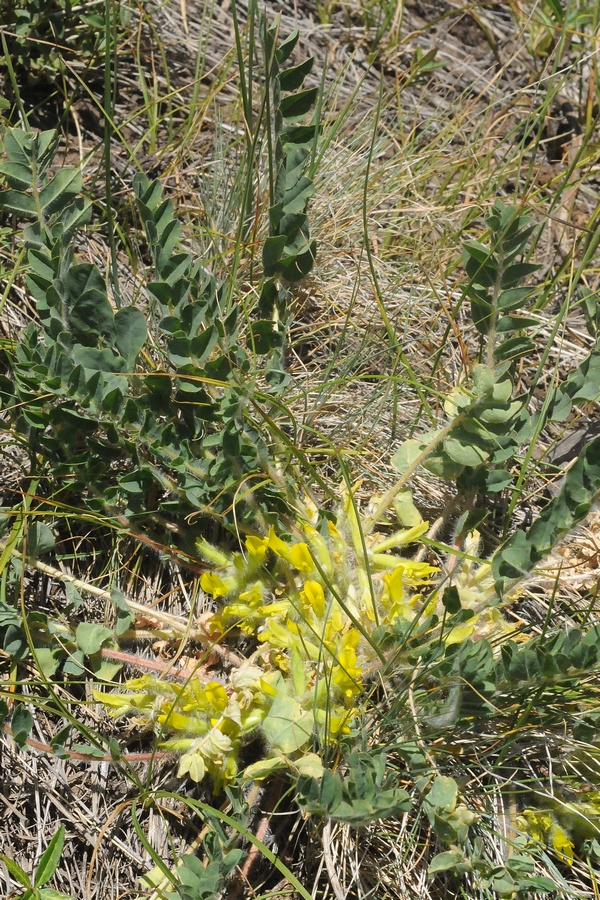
{"x": 200, "y": 881}
{"x": 488, "y": 424}
{"x": 366, "y": 793}
{"x": 41, "y": 38}
{"x": 288, "y": 252}
{"x": 117, "y": 436}
{"x": 480, "y": 449}
{"x": 182, "y": 436}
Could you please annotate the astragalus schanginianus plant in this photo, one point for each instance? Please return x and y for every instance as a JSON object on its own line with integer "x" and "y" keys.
{"x": 337, "y": 603}
{"x": 390, "y": 707}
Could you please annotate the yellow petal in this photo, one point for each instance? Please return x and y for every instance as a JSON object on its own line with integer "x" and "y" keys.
{"x": 459, "y": 633}
{"x": 216, "y": 695}
{"x": 267, "y": 688}
{"x": 337, "y": 619}
{"x": 394, "y": 582}
{"x": 278, "y": 546}
{"x": 301, "y": 559}
{"x": 314, "y": 597}
{"x": 213, "y": 585}
{"x": 561, "y": 844}
{"x": 351, "y": 639}
{"x": 278, "y": 608}
{"x": 253, "y": 596}
{"x": 257, "y": 547}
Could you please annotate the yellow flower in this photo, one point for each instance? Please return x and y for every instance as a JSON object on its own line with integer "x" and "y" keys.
{"x": 278, "y": 546}
{"x": 393, "y": 599}
{"x": 417, "y": 573}
{"x": 257, "y": 548}
{"x": 402, "y": 538}
{"x": 280, "y": 636}
{"x": 333, "y": 532}
{"x": 320, "y": 549}
{"x": 214, "y": 585}
{"x": 313, "y": 597}
{"x": 301, "y": 559}
{"x": 185, "y": 724}
{"x": 366, "y": 603}
{"x": 347, "y": 676}
{"x": 278, "y": 608}
{"x": 254, "y": 595}
{"x": 338, "y": 549}
{"x": 336, "y": 719}
{"x": 394, "y": 582}
{"x": 216, "y": 695}
{"x": 352, "y": 638}
{"x": 335, "y": 620}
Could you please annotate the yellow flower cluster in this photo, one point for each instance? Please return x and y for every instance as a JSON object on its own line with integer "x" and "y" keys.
{"x": 210, "y": 720}
{"x": 311, "y": 603}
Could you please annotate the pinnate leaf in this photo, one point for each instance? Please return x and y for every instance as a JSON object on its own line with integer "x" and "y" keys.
{"x": 17, "y": 202}
{"x": 18, "y": 175}
{"x": 447, "y": 861}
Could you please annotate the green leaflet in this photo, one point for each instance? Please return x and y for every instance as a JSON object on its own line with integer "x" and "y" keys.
{"x": 517, "y": 556}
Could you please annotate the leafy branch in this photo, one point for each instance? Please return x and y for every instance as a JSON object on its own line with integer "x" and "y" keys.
{"x": 148, "y": 445}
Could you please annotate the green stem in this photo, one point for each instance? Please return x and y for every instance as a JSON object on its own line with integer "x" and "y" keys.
{"x": 389, "y": 495}
{"x": 491, "y": 342}
{"x": 108, "y": 117}
{"x": 13, "y": 81}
